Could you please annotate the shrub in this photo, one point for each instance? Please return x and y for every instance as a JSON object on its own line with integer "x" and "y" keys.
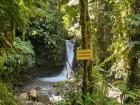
{"x": 18, "y": 61}
{"x": 6, "y": 96}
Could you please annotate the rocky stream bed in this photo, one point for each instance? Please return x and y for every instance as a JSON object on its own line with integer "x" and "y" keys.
{"x": 48, "y": 93}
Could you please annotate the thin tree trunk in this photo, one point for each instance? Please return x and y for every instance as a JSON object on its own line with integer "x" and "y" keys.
{"x": 133, "y": 58}
{"x": 23, "y": 34}
{"x": 10, "y": 34}
{"x": 134, "y": 72}
{"x": 13, "y": 28}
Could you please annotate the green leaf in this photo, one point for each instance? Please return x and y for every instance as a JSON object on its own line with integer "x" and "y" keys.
{"x": 2, "y": 60}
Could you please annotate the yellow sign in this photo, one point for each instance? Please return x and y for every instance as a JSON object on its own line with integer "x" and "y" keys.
{"x": 84, "y": 54}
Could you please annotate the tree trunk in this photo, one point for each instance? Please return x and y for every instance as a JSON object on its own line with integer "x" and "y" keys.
{"x": 134, "y": 77}
{"x": 86, "y": 44}
{"x": 10, "y": 34}
{"x": 134, "y": 54}
{"x": 23, "y": 34}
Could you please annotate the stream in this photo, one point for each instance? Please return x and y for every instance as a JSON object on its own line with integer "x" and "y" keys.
{"x": 46, "y": 85}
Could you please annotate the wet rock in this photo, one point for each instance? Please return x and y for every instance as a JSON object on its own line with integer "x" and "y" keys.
{"x": 33, "y": 103}
{"x": 40, "y": 99}
{"x": 115, "y": 93}
{"x": 44, "y": 99}
{"x": 55, "y": 98}
{"x": 23, "y": 95}
{"x": 32, "y": 94}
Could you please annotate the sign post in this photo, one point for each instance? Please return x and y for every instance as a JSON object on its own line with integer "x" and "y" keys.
{"x": 85, "y": 54}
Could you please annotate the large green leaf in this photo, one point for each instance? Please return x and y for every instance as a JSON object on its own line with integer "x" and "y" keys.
{"x": 134, "y": 19}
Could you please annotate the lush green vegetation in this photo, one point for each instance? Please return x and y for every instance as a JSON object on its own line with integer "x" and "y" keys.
{"x": 6, "y": 97}
{"x": 32, "y": 34}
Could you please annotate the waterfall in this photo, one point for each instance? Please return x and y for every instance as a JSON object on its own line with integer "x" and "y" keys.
{"x": 69, "y": 59}
{"x": 67, "y": 71}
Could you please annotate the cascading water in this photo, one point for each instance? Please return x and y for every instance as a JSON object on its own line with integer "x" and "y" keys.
{"x": 45, "y": 88}
{"x": 67, "y": 70}
{"x": 69, "y": 60}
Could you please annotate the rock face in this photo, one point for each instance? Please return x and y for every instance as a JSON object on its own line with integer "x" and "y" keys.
{"x": 48, "y": 52}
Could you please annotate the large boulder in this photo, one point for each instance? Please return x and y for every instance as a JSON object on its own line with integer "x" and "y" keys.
{"x": 41, "y": 99}
{"x": 44, "y": 99}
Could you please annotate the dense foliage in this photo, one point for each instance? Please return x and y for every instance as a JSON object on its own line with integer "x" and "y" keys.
{"x": 32, "y": 34}
{"x": 6, "y": 96}
{"x": 18, "y": 62}
{"x": 49, "y": 32}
